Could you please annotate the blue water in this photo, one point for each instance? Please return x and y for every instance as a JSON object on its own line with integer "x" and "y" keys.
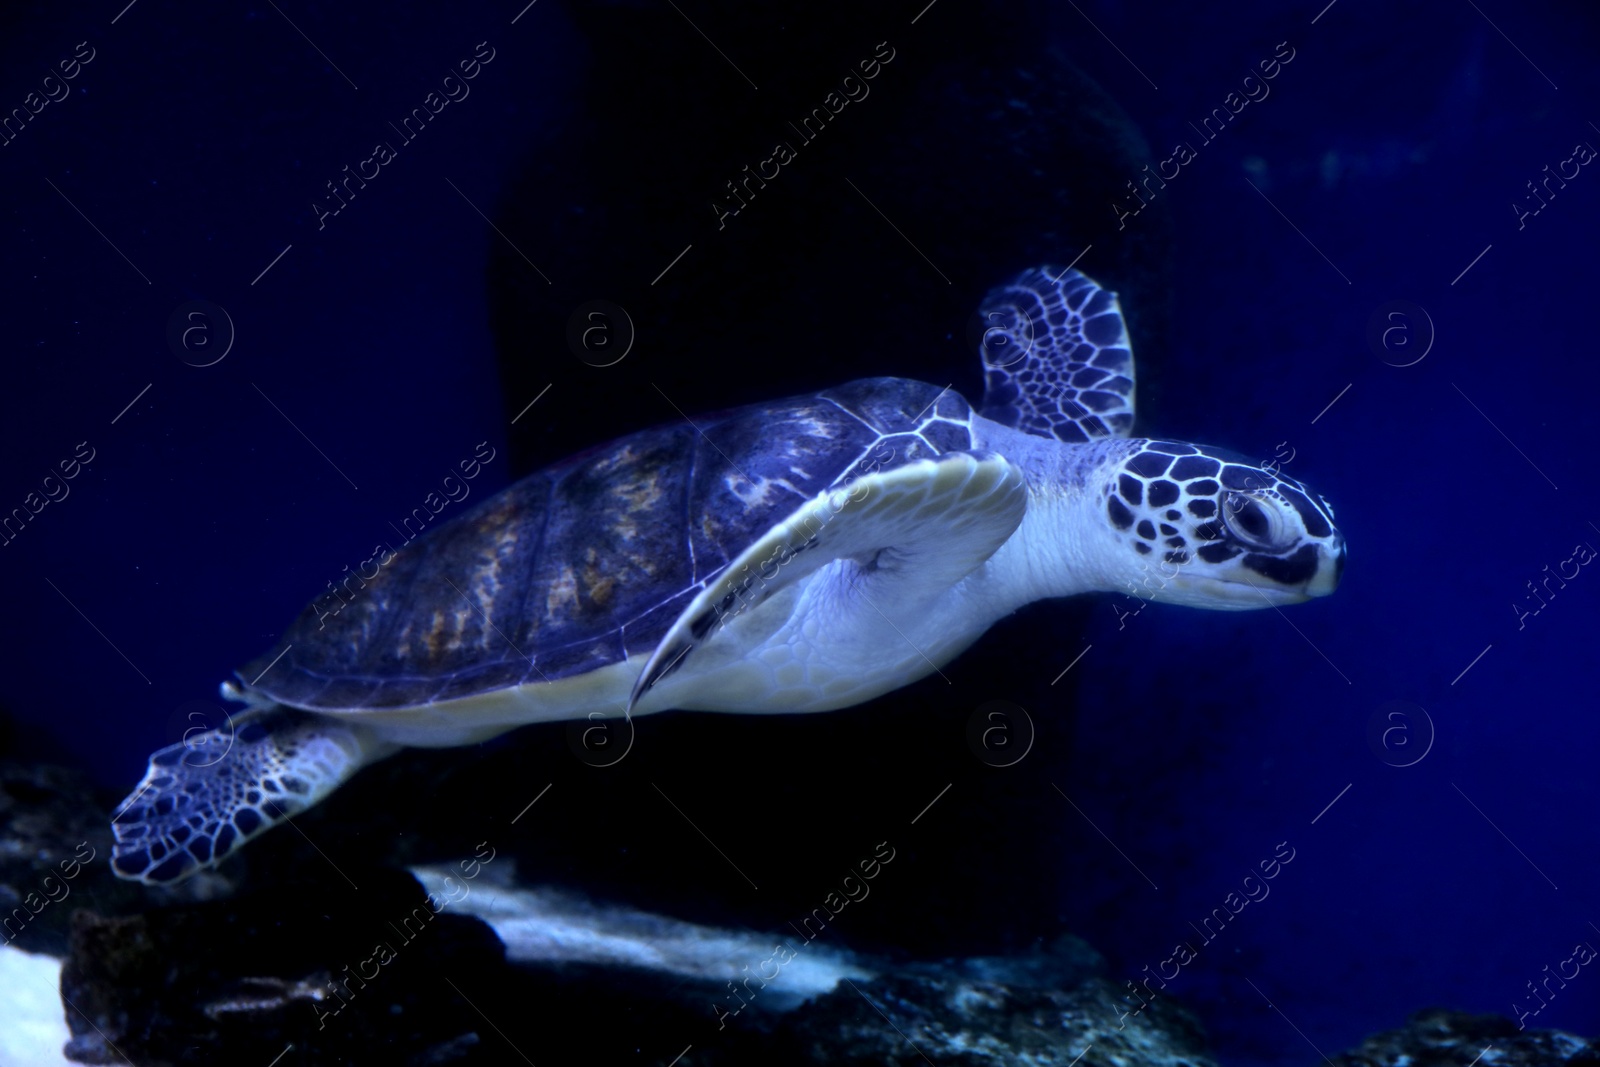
{"x": 1385, "y": 162}
{"x": 1396, "y": 144}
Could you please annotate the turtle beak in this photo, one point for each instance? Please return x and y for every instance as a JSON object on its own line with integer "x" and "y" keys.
{"x": 1244, "y": 590}
{"x": 1330, "y": 567}
{"x": 1234, "y": 594}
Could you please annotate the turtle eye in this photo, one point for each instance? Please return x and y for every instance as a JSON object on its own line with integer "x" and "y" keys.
{"x": 1252, "y": 522}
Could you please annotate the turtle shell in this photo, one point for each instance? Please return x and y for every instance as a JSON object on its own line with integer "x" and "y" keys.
{"x": 591, "y": 560}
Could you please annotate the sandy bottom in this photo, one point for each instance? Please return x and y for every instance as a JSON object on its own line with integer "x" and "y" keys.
{"x": 32, "y": 1028}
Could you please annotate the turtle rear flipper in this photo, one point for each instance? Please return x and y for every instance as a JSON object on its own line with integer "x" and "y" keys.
{"x": 203, "y": 798}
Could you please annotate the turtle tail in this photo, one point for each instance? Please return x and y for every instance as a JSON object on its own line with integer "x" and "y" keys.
{"x": 203, "y": 798}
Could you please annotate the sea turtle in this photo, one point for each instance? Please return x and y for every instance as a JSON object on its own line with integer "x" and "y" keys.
{"x": 799, "y": 555}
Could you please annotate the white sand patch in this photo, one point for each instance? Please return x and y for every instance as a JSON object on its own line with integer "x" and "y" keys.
{"x": 539, "y": 925}
{"x": 32, "y": 1027}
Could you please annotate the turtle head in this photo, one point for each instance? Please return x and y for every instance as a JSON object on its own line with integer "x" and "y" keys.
{"x": 1209, "y": 528}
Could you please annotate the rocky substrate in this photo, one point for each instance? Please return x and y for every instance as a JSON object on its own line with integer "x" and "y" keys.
{"x": 1441, "y": 1038}
{"x": 391, "y": 982}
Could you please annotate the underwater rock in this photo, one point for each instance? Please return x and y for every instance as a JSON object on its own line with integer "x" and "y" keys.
{"x": 736, "y": 998}
{"x": 548, "y": 926}
{"x": 400, "y": 973}
{"x": 50, "y": 829}
{"x": 445, "y": 972}
{"x": 342, "y": 975}
{"x": 1442, "y": 1036}
{"x": 1047, "y": 1007}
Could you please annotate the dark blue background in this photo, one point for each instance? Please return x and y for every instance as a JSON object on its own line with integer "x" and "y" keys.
{"x": 1396, "y": 140}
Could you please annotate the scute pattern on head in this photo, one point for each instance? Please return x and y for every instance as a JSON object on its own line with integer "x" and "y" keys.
{"x": 1190, "y": 504}
{"x": 589, "y": 561}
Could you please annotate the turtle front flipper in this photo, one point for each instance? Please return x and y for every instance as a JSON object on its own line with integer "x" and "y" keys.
{"x": 908, "y": 533}
{"x": 203, "y": 798}
{"x": 1056, "y": 357}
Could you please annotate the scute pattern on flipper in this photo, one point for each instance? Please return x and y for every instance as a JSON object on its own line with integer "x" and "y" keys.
{"x": 589, "y": 561}
{"x": 1056, "y": 357}
{"x": 203, "y": 798}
